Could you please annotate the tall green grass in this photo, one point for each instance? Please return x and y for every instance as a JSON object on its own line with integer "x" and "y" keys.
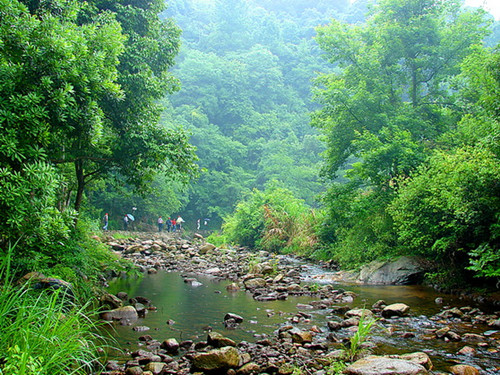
{"x": 43, "y": 332}
{"x": 356, "y": 349}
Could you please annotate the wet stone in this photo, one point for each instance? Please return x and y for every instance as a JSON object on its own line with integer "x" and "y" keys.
{"x": 140, "y": 328}
{"x": 334, "y": 326}
{"x": 300, "y": 337}
{"x": 358, "y": 313}
{"x": 112, "y": 366}
{"x": 381, "y": 365}
{"x": 467, "y": 350}
{"x": 123, "y": 313}
{"x": 217, "y": 340}
{"x": 136, "y": 370}
{"x": 147, "y": 359}
{"x": 154, "y": 367}
{"x": 396, "y": 309}
{"x": 248, "y": 369}
{"x": 235, "y": 317}
{"x": 217, "y": 359}
{"x": 170, "y": 345}
{"x": 340, "y": 310}
{"x": 464, "y": 370}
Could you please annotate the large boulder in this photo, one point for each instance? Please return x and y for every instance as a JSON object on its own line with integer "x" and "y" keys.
{"x": 404, "y": 271}
{"x": 31, "y": 276}
{"x": 249, "y": 369}
{"x": 233, "y": 287}
{"x": 170, "y": 345}
{"x": 110, "y": 300}
{"x": 374, "y": 365}
{"x": 301, "y": 337}
{"x": 358, "y": 313}
{"x": 126, "y": 312}
{"x": 216, "y": 360}
{"x": 155, "y": 367}
{"x": 134, "y": 249}
{"x": 396, "y": 309}
{"x": 134, "y": 370}
{"x": 237, "y": 318}
{"x": 420, "y": 358}
{"x": 51, "y": 283}
{"x": 116, "y": 246}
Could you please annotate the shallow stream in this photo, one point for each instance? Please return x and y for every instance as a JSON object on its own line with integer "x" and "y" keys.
{"x": 186, "y": 312}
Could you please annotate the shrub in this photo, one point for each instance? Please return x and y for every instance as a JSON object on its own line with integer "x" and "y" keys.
{"x": 450, "y": 208}
{"x": 273, "y": 220}
{"x": 28, "y": 201}
{"x": 357, "y": 228}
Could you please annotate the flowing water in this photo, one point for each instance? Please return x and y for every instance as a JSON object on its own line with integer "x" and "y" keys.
{"x": 186, "y": 312}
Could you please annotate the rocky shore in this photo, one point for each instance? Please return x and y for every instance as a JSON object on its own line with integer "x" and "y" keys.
{"x": 298, "y": 346}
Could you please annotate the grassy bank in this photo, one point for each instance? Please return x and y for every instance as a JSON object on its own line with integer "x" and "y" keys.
{"x": 53, "y": 330}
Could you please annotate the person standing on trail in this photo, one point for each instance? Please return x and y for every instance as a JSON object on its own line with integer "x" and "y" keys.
{"x": 106, "y": 220}
{"x": 174, "y": 225}
{"x": 160, "y": 224}
{"x": 180, "y": 220}
{"x": 169, "y": 225}
{"x": 125, "y": 222}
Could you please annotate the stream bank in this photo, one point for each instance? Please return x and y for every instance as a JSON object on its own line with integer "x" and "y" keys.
{"x": 297, "y": 324}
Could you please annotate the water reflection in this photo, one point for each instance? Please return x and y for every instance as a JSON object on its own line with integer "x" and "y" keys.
{"x": 195, "y": 309}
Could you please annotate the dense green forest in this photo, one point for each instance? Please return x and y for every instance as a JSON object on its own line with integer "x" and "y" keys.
{"x": 80, "y": 85}
{"x": 414, "y": 113}
{"x": 342, "y": 131}
{"x": 396, "y": 93}
{"x": 245, "y": 70}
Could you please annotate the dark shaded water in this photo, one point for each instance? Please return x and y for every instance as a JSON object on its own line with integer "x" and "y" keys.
{"x": 194, "y": 309}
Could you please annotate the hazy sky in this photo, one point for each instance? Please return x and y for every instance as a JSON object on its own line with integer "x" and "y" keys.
{"x": 492, "y": 6}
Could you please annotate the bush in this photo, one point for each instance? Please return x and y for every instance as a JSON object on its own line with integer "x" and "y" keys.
{"x": 450, "y": 208}
{"x": 84, "y": 260}
{"x": 273, "y": 220}
{"x": 78, "y": 259}
{"x": 357, "y": 228}
{"x": 28, "y": 201}
{"x": 218, "y": 239}
{"x": 485, "y": 261}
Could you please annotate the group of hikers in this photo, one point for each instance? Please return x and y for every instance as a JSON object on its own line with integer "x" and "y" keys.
{"x": 173, "y": 225}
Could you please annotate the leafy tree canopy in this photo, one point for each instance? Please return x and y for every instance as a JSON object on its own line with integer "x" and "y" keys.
{"x": 79, "y": 84}
{"x": 394, "y": 83}
{"x": 409, "y": 114}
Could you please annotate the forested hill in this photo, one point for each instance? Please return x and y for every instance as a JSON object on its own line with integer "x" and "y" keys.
{"x": 246, "y": 70}
{"x": 405, "y": 100}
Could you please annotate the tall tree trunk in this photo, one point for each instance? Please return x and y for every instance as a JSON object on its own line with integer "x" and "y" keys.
{"x": 80, "y": 178}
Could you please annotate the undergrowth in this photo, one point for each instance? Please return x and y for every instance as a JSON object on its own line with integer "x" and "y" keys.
{"x": 43, "y": 332}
